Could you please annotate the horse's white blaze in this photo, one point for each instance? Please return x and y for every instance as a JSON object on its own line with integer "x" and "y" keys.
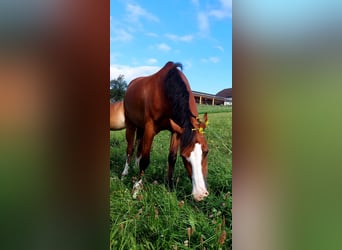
{"x": 199, "y": 190}
{"x": 125, "y": 171}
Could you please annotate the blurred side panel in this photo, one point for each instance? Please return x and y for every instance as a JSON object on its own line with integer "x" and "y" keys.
{"x": 287, "y": 124}
{"x": 54, "y": 146}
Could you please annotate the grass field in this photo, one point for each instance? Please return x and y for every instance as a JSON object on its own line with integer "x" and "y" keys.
{"x": 160, "y": 219}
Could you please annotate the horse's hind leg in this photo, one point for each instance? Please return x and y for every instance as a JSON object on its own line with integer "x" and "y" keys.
{"x": 146, "y": 144}
{"x": 138, "y": 141}
{"x": 130, "y": 132}
{"x": 144, "y": 147}
{"x": 174, "y": 144}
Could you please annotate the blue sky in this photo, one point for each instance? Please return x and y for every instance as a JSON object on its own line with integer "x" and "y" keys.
{"x": 144, "y": 35}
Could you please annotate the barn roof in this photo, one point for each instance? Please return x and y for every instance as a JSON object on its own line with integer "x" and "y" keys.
{"x": 226, "y": 92}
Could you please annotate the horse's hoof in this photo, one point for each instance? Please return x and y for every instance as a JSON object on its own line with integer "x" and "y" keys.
{"x": 124, "y": 173}
{"x": 137, "y": 187}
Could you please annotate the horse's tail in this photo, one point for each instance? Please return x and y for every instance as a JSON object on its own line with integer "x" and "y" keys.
{"x": 169, "y": 66}
{"x": 179, "y": 65}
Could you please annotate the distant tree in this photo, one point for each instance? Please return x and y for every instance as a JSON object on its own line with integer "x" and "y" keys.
{"x": 117, "y": 88}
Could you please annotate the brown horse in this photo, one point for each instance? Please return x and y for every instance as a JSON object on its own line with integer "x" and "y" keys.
{"x": 164, "y": 101}
{"x": 117, "y": 116}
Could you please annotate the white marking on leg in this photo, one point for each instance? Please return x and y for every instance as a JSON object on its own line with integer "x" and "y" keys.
{"x": 199, "y": 190}
{"x": 125, "y": 171}
{"x": 137, "y": 160}
{"x": 137, "y": 187}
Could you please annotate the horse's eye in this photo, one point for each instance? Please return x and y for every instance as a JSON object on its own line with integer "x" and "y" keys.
{"x": 205, "y": 152}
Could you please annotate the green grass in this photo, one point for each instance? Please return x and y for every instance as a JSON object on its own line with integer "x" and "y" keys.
{"x": 213, "y": 109}
{"x": 159, "y": 219}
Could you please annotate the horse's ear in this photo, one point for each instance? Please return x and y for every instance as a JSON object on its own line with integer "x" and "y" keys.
{"x": 175, "y": 127}
{"x": 205, "y": 118}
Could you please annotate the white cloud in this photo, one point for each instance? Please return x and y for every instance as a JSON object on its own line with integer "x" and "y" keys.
{"x": 203, "y": 23}
{"x": 212, "y": 59}
{"x": 226, "y": 3}
{"x": 185, "y": 38}
{"x": 114, "y": 56}
{"x": 151, "y": 34}
{"x": 151, "y": 61}
{"x": 195, "y": 2}
{"x": 225, "y": 10}
{"x": 221, "y": 12}
{"x": 120, "y": 35}
{"x": 135, "y": 12}
{"x": 119, "y": 32}
{"x": 130, "y": 72}
{"x": 187, "y": 64}
{"x": 220, "y": 48}
{"x": 163, "y": 47}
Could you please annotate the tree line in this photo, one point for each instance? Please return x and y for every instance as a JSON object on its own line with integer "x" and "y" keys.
{"x": 117, "y": 88}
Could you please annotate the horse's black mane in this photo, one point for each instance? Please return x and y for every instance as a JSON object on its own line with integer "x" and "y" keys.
{"x": 178, "y": 96}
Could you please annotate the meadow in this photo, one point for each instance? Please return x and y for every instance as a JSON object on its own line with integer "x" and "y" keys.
{"x": 159, "y": 219}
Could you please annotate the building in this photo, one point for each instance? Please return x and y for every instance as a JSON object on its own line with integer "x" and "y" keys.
{"x": 223, "y": 97}
{"x": 228, "y": 94}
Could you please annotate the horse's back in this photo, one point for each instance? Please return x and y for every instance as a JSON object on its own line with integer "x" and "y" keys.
{"x": 146, "y": 99}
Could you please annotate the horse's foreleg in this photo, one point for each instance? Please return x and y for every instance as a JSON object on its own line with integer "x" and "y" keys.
{"x": 174, "y": 144}
{"x": 130, "y": 131}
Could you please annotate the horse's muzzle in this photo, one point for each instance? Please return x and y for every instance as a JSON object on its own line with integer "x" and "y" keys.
{"x": 200, "y": 196}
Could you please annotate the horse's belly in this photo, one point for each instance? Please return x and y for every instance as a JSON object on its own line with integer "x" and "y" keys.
{"x": 135, "y": 110}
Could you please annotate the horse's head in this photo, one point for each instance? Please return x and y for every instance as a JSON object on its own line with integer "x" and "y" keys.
{"x": 194, "y": 156}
